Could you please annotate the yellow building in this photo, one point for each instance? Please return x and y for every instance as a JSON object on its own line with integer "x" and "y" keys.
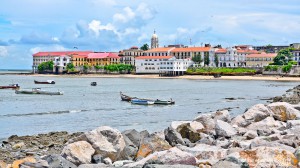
{"x": 260, "y": 60}
{"x": 102, "y": 59}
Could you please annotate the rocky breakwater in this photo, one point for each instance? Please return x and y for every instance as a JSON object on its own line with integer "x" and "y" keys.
{"x": 291, "y": 96}
{"x": 263, "y": 136}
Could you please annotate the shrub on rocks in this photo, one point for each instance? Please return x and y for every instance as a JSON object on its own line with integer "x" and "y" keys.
{"x": 106, "y": 141}
{"x": 283, "y": 111}
{"x": 78, "y": 152}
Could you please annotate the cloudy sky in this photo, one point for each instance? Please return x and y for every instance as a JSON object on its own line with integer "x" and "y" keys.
{"x": 30, "y": 26}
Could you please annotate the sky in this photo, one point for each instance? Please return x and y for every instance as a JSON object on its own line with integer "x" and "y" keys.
{"x": 31, "y": 26}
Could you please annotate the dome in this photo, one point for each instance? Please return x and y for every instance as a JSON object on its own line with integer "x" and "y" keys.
{"x": 154, "y": 36}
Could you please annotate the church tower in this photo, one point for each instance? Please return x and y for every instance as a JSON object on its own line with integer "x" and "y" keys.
{"x": 154, "y": 41}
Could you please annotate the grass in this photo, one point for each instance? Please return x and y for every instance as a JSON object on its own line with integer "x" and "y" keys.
{"x": 222, "y": 71}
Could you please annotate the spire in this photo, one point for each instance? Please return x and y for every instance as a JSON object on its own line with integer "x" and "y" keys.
{"x": 154, "y": 31}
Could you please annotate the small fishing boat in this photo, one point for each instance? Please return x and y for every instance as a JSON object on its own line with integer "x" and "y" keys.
{"x": 126, "y": 98}
{"x": 10, "y": 86}
{"x": 142, "y": 101}
{"x": 217, "y": 75}
{"x": 44, "y": 82}
{"x": 164, "y": 102}
{"x": 93, "y": 83}
{"x": 38, "y": 91}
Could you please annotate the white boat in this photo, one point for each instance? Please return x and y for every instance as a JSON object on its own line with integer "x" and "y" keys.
{"x": 142, "y": 101}
{"x": 38, "y": 91}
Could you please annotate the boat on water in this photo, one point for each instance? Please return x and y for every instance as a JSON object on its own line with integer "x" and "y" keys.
{"x": 142, "y": 101}
{"x": 44, "y": 82}
{"x": 38, "y": 91}
{"x": 217, "y": 75}
{"x": 93, "y": 83}
{"x": 164, "y": 102}
{"x": 10, "y": 86}
{"x": 126, "y": 98}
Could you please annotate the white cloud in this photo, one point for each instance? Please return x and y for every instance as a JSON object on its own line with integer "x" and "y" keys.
{"x": 96, "y": 27}
{"x": 48, "y": 48}
{"x": 55, "y": 39}
{"x": 124, "y": 17}
{"x": 3, "y": 51}
{"x": 105, "y": 2}
{"x": 145, "y": 11}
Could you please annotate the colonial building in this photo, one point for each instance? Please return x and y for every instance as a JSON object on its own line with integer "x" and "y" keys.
{"x": 60, "y": 63}
{"x": 259, "y": 59}
{"x": 128, "y": 56}
{"x": 154, "y": 41}
{"x": 296, "y": 56}
{"x": 269, "y": 48}
{"x": 162, "y": 65}
{"x": 102, "y": 58}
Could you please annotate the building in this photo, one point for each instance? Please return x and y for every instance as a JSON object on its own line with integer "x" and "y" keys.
{"x": 296, "y": 56}
{"x": 154, "y": 41}
{"x": 41, "y": 57}
{"x": 128, "y": 56}
{"x": 259, "y": 59}
{"x": 60, "y": 63}
{"x": 102, "y": 58}
{"x": 162, "y": 65}
{"x": 269, "y": 48}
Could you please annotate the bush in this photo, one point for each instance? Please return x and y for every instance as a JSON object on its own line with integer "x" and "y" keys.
{"x": 223, "y": 70}
{"x": 287, "y": 68}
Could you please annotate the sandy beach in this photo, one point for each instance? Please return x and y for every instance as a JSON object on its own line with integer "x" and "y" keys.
{"x": 192, "y": 77}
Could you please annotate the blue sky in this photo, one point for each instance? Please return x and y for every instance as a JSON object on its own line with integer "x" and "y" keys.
{"x": 30, "y": 26}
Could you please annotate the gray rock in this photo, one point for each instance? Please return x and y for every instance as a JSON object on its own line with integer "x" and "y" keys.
{"x": 222, "y": 115}
{"x": 266, "y": 124}
{"x": 168, "y": 166}
{"x": 173, "y": 137}
{"x": 187, "y": 131}
{"x": 100, "y": 165}
{"x": 239, "y": 121}
{"x": 208, "y": 122}
{"x": 283, "y": 111}
{"x": 97, "y": 159}
{"x": 57, "y": 161}
{"x": 223, "y": 129}
{"x": 107, "y": 161}
{"x": 292, "y": 123}
{"x": 231, "y": 162}
{"x": 106, "y": 141}
{"x": 121, "y": 163}
{"x": 297, "y": 153}
{"x": 130, "y": 149}
{"x": 133, "y": 135}
{"x": 38, "y": 164}
{"x": 251, "y": 134}
{"x": 78, "y": 152}
{"x": 256, "y": 113}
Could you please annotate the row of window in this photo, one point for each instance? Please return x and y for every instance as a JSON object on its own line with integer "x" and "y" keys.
{"x": 259, "y": 59}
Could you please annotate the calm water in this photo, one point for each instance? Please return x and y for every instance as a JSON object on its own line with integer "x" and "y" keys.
{"x": 83, "y": 107}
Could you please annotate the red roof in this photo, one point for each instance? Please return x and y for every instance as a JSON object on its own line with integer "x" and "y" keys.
{"x": 153, "y": 57}
{"x": 222, "y": 50}
{"x": 61, "y": 53}
{"x": 262, "y": 55}
{"x": 161, "y": 49}
{"x": 102, "y": 55}
{"x": 191, "y": 49}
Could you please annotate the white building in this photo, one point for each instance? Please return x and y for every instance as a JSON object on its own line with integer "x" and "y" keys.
{"x": 296, "y": 56}
{"x": 154, "y": 41}
{"x": 60, "y": 63}
{"x": 229, "y": 57}
{"x": 168, "y": 65}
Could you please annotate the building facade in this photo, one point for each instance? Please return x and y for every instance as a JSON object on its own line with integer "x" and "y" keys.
{"x": 260, "y": 59}
{"x": 60, "y": 63}
{"x": 128, "y": 56}
{"x": 154, "y": 41}
{"x": 162, "y": 65}
{"x": 296, "y": 56}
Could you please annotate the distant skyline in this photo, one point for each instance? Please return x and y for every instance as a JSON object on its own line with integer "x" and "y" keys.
{"x": 30, "y": 26}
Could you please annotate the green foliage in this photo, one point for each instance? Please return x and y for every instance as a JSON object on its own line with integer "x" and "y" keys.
{"x": 223, "y": 70}
{"x": 46, "y": 66}
{"x": 283, "y": 56}
{"x": 98, "y": 67}
{"x": 118, "y": 67}
{"x": 293, "y": 62}
{"x": 206, "y": 60}
{"x": 287, "y": 68}
{"x": 145, "y": 47}
{"x": 216, "y": 60}
{"x": 70, "y": 66}
{"x": 85, "y": 68}
{"x": 197, "y": 58}
{"x": 271, "y": 68}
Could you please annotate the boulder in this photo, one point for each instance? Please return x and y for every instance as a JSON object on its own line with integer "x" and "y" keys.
{"x": 208, "y": 122}
{"x": 223, "y": 129}
{"x": 3, "y": 164}
{"x": 231, "y": 162}
{"x": 266, "y": 157}
{"x": 133, "y": 135}
{"x": 106, "y": 141}
{"x": 38, "y": 164}
{"x": 206, "y": 139}
{"x": 190, "y": 131}
{"x": 168, "y": 166}
{"x": 222, "y": 115}
{"x": 205, "y": 153}
{"x": 266, "y": 124}
{"x": 17, "y": 163}
{"x": 130, "y": 149}
{"x": 239, "y": 121}
{"x": 78, "y": 152}
{"x": 283, "y": 111}
{"x": 171, "y": 156}
{"x": 175, "y": 124}
{"x": 97, "y": 159}
{"x": 260, "y": 142}
{"x": 121, "y": 163}
{"x": 100, "y": 165}
{"x": 151, "y": 144}
{"x": 251, "y": 134}
{"x": 173, "y": 137}
{"x": 107, "y": 161}
{"x": 256, "y": 113}
{"x": 57, "y": 161}
{"x": 297, "y": 153}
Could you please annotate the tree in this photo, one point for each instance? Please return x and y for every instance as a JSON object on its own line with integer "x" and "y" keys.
{"x": 206, "y": 60}
{"x": 283, "y": 57}
{"x": 85, "y": 68}
{"x": 216, "y": 60}
{"x": 145, "y": 47}
{"x": 98, "y": 67}
{"x": 46, "y": 66}
{"x": 197, "y": 58}
{"x": 70, "y": 67}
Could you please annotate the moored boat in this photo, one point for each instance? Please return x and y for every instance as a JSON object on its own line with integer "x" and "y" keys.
{"x": 126, "y": 98}
{"x": 93, "y": 83}
{"x": 44, "y": 82}
{"x": 142, "y": 101}
{"x": 164, "y": 102}
{"x": 38, "y": 91}
{"x": 10, "y": 86}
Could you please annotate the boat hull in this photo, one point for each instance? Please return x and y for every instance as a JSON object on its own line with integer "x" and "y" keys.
{"x": 164, "y": 102}
{"x": 142, "y": 101}
{"x": 37, "y": 92}
{"x": 44, "y": 82}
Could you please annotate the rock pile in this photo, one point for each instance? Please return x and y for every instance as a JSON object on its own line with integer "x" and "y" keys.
{"x": 263, "y": 136}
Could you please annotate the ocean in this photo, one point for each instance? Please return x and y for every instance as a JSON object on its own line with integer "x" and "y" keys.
{"x": 84, "y": 107}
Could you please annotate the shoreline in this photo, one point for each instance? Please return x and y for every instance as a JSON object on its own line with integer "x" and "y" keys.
{"x": 155, "y": 76}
